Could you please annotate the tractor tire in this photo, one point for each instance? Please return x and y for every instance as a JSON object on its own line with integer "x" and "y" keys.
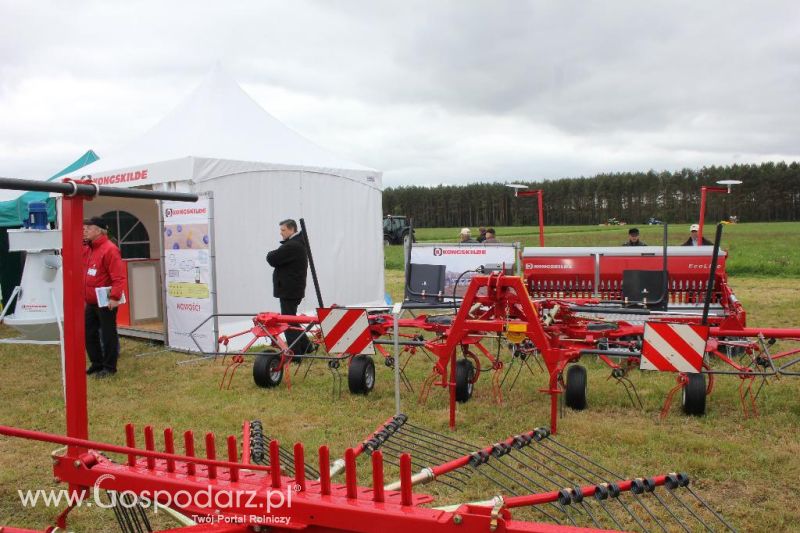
{"x": 575, "y": 394}
{"x": 387, "y": 241}
{"x": 265, "y": 370}
{"x": 693, "y": 395}
{"x": 361, "y": 375}
{"x": 465, "y": 377}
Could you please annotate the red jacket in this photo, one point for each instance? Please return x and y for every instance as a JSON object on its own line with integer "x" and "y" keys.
{"x": 103, "y": 267}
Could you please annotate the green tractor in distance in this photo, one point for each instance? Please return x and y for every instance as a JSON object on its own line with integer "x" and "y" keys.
{"x": 397, "y": 230}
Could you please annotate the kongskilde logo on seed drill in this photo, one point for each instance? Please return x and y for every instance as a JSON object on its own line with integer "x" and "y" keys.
{"x": 437, "y": 252}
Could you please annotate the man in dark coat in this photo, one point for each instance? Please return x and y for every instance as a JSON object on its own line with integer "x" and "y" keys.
{"x": 633, "y": 238}
{"x": 289, "y": 278}
{"x": 694, "y": 232}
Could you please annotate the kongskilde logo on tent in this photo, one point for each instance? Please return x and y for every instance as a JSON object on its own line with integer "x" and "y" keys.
{"x": 122, "y": 178}
{"x": 169, "y": 212}
{"x": 459, "y": 251}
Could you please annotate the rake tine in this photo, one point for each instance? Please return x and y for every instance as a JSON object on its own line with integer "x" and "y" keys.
{"x": 565, "y": 510}
{"x": 424, "y": 455}
{"x": 689, "y": 509}
{"x": 466, "y": 446}
{"x": 439, "y": 479}
{"x": 671, "y": 513}
{"x": 441, "y": 445}
{"x": 437, "y": 454}
{"x": 551, "y": 469}
{"x": 308, "y": 369}
{"x": 704, "y": 504}
{"x": 631, "y": 513}
{"x": 589, "y": 512}
{"x": 609, "y": 513}
{"x": 647, "y": 509}
{"x": 505, "y": 374}
{"x": 456, "y": 476}
{"x": 584, "y": 458}
{"x": 496, "y": 482}
{"x": 537, "y": 486}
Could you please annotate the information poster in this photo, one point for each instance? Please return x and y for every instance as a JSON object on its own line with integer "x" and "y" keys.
{"x": 460, "y": 259}
{"x": 188, "y": 271}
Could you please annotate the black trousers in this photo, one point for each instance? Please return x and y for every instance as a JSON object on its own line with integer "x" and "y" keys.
{"x": 297, "y": 340}
{"x": 102, "y": 342}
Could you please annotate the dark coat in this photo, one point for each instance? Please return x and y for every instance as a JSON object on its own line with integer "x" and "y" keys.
{"x": 706, "y": 242}
{"x": 637, "y": 243}
{"x": 291, "y": 264}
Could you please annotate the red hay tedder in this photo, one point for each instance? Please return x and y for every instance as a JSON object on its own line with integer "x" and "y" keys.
{"x": 656, "y": 308}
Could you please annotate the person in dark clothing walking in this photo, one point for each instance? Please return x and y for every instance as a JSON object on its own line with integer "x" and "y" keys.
{"x": 103, "y": 268}
{"x": 633, "y": 238}
{"x": 289, "y": 278}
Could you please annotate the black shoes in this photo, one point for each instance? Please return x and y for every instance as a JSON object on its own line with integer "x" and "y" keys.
{"x": 104, "y": 373}
{"x": 93, "y": 369}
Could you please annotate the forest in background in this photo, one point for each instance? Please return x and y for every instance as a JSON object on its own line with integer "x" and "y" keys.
{"x": 770, "y": 192}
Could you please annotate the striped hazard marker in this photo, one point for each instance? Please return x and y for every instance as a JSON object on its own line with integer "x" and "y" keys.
{"x": 673, "y": 347}
{"x": 346, "y": 331}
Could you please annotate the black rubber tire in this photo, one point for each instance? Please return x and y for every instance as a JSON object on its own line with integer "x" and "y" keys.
{"x": 264, "y": 373}
{"x": 361, "y": 374}
{"x": 465, "y": 375}
{"x": 576, "y": 383}
{"x": 387, "y": 241}
{"x": 693, "y": 395}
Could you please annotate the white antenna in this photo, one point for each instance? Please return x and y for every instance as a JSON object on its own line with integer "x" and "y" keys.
{"x": 517, "y": 187}
{"x": 729, "y": 183}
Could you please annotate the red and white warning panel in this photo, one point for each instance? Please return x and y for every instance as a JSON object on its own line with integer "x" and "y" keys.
{"x": 346, "y": 331}
{"x": 673, "y": 347}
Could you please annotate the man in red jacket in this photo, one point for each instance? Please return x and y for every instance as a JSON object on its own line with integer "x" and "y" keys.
{"x": 103, "y": 268}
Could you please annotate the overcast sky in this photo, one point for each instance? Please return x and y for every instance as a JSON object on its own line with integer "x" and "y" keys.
{"x": 428, "y": 92}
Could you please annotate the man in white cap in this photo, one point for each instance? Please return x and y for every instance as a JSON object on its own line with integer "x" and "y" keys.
{"x": 465, "y": 237}
{"x": 694, "y": 230}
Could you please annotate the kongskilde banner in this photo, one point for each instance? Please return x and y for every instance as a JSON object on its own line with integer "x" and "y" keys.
{"x": 458, "y": 259}
{"x": 188, "y": 273}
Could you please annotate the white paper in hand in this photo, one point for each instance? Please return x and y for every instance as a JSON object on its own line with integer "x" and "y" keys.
{"x": 103, "y": 294}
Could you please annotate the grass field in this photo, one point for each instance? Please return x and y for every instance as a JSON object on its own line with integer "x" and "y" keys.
{"x": 746, "y": 467}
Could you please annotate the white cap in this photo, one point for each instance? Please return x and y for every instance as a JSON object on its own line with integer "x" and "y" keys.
{"x": 465, "y": 231}
{"x": 694, "y": 227}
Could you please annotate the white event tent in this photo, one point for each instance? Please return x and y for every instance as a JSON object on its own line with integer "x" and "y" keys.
{"x": 256, "y": 171}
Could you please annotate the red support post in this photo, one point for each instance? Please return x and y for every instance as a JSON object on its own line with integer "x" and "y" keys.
{"x": 130, "y": 442}
{"x": 300, "y": 466}
{"x": 406, "y": 497}
{"x": 233, "y": 457}
{"x": 275, "y": 463}
{"x": 74, "y": 332}
{"x": 149, "y": 445}
{"x": 211, "y": 453}
{"x": 169, "y": 447}
{"x": 377, "y": 476}
{"x": 324, "y": 471}
{"x": 350, "y": 477}
{"x": 188, "y": 443}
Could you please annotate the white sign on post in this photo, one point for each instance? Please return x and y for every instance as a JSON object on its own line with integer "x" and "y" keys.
{"x": 188, "y": 272}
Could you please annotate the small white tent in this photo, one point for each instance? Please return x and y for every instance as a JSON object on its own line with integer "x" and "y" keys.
{"x": 258, "y": 172}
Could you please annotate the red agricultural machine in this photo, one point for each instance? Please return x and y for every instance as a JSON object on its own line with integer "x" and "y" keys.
{"x": 667, "y": 309}
{"x": 237, "y": 492}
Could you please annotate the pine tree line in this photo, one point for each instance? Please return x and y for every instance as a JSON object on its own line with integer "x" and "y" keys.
{"x": 769, "y": 192}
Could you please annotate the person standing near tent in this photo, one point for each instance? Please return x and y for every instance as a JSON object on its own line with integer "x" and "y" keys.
{"x": 104, "y": 269}
{"x": 289, "y": 278}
